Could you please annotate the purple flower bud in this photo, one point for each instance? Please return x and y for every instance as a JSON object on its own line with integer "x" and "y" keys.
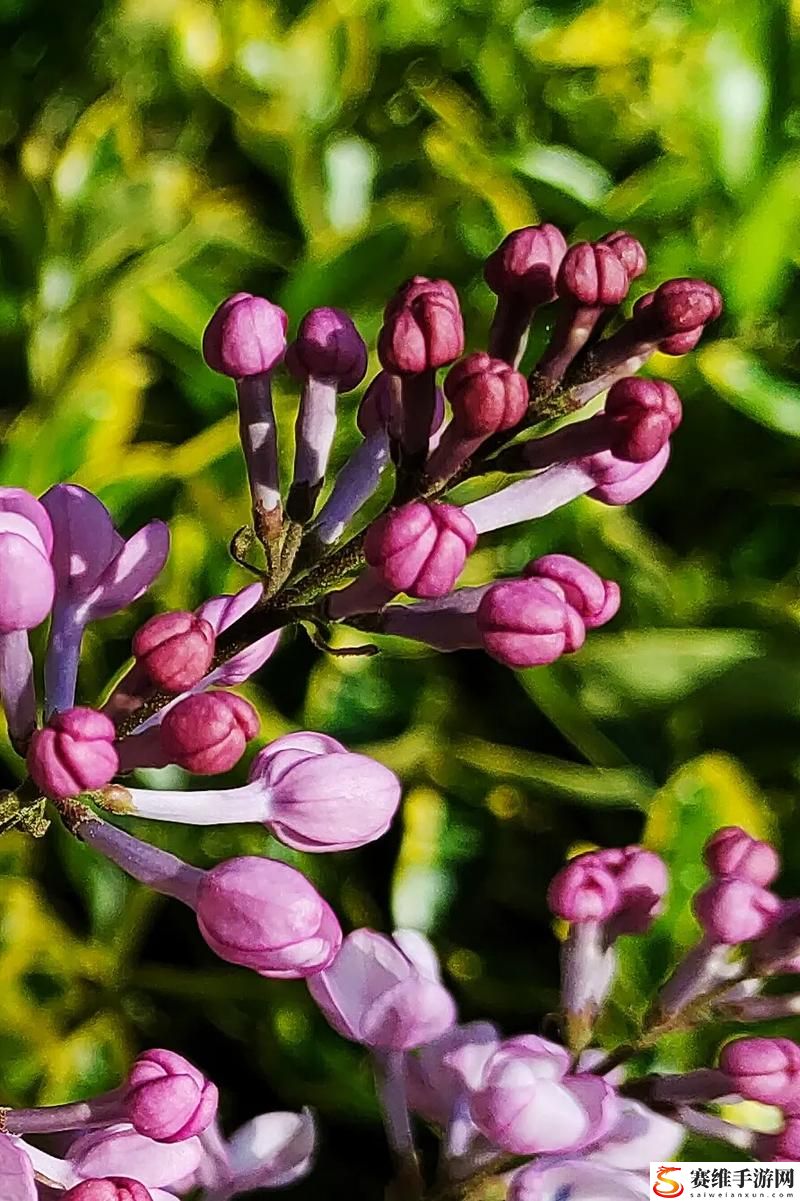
{"x": 583, "y": 891}
{"x": 734, "y": 852}
{"x": 423, "y": 328}
{"x": 175, "y": 649}
{"x": 116, "y": 1149}
{"x": 323, "y": 797}
{"x": 642, "y": 879}
{"x": 592, "y": 274}
{"x": 73, "y": 753}
{"x": 677, "y": 344}
{"x": 420, "y": 548}
{"x": 16, "y": 1172}
{"x": 265, "y": 915}
{"x": 116, "y": 1188}
{"x": 487, "y": 395}
{"x": 246, "y": 336}
{"x": 328, "y": 346}
{"x": 528, "y": 1105}
{"x": 628, "y": 250}
{"x": 26, "y": 541}
{"x": 384, "y": 993}
{"x": 780, "y": 1148}
{"x": 526, "y": 263}
{"x": 443, "y": 1071}
{"x": 733, "y": 911}
{"x": 763, "y": 1069}
{"x": 167, "y": 1098}
{"x": 618, "y": 482}
{"x": 207, "y": 733}
{"x": 525, "y": 623}
{"x": 595, "y": 599}
{"x": 678, "y": 307}
{"x": 643, "y": 414}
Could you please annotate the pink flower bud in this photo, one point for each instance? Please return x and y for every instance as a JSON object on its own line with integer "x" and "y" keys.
{"x": 420, "y": 548}
{"x": 116, "y": 1188}
{"x": 207, "y": 733}
{"x": 382, "y": 993}
{"x": 328, "y": 346}
{"x": 677, "y": 344}
{"x": 246, "y": 336}
{"x": 525, "y": 623}
{"x": 763, "y": 1069}
{"x": 73, "y": 753}
{"x": 526, "y": 264}
{"x": 732, "y": 911}
{"x": 27, "y": 580}
{"x": 323, "y": 797}
{"x": 628, "y": 250}
{"x": 266, "y": 916}
{"x": 780, "y": 1148}
{"x": 595, "y": 599}
{"x": 619, "y": 482}
{"x": 175, "y": 649}
{"x": 487, "y": 395}
{"x": 733, "y": 852}
{"x": 528, "y": 1105}
{"x": 643, "y": 414}
{"x": 593, "y": 274}
{"x": 423, "y": 328}
{"x": 679, "y": 307}
{"x": 167, "y": 1098}
{"x": 642, "y": 880}
{"x": 583, "y": 891}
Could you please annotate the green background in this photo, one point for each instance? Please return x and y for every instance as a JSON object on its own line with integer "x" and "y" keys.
{"x": 156, "y": 155}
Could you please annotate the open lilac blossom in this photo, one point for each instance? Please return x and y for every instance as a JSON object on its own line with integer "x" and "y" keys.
{"x": 578, "y": 1180}
{"x": 307, "y": 789}
{"x": 270, "y": 1151}
{"x": 114, "y": 1150}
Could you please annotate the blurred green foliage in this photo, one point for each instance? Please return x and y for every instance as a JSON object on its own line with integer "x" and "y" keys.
{"x": 158, "y": 154}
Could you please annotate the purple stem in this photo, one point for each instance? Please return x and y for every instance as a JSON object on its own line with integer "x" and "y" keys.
{"x": 142, "y": 750}
{"x": 710, "y": 1126}
{"x": 355, "y": 484}
{"x": 157, "y": 869}
{"x": 418, "y": 411}
{"x": 447, "y": 627}
{"x": 314, "y": 433}
{"x": 573, "y": 441}
{"x": 77, "y": 1115}
{"x": 390, "y": 1083}
{"x": 453, "y": 450}
{"x": 508, "y": 335}
{"x": 573, "y": 329}
{"x": 587, "y": 972}
{"x": 212, "y": 807}
{"x": 703, "y": 968}
{"x": 63, "y": 655}
{"x": 17, "y": 687}
{"x": 760, "y": 1009}
{"x": 259, "y": 439}
{"x": 706, "y": 1084}
{"x": 366, "y": 594}
{"x": 530, "y": 498}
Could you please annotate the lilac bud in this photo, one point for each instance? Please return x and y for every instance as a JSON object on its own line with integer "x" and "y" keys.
{"x": 592, "y": 274}
{"x": 526, "y": 263}
{"x": 528, "y": 1105}
{"x": 442, "y": 1071}
{"x": 246, "y": 336}
{"x": 679, "y": 307}
{"x": 487, "y": 395}
{"x": 167, "y": 1098}
{"x": 595, "y": 599}
{"x": 733, "y": 911}
{"x": 643, "y": 414}
{"x": 207, "y": 733}
{"x": 28, "y": 583}
{"x": 323, "y": 797}
{"x": 116, "y": 1149}
{"x": 618, "y": 482}
{"x": 780, "y": 1148}
{"x": 733, "y": 852}
{"x": 763, "y": 1069}
{"x": 382, "y": 993}
{"x": 628, "y": 250}
{"x": 116, "y": 1188}
{"x": 175, "y": 649}
{"x": 266, "y": 916}
{"x": 525, "y": 623}
{"x": 642, "y": 879}
{"x": 677, "y": 344}
{"x": 422, "y": 329}
{"x": 583, "y": 891}
{"x": 73, "y": 753}
{"x": 420, "y": 548}
{"x": 328, "y": 346}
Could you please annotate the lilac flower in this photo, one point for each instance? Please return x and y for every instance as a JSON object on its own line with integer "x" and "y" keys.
{"x": 97, "y": 574}
{"x": 268, "y": 1152}
{"x": 116, "y": 1150}
{"x": 764, "y": 1069}
{"x": 167, "y": 1099}
{"x": 16, "y": 1172}
{"x": 578, "y": 1180}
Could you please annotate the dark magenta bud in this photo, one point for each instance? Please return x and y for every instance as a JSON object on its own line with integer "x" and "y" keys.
{"x": 526, "y": 264}
{"x": 628, "y": 250}
{"x": 733, "y": 911}
{"x": 487, "y": 395}
{"x": 175, "y": 649}
{"x": 763, "y": 1069}
{"x": 328, "y": 346}
{"x": 526, "y": 623}
{"x": 643, "y": 414}
{"x": 420, "y": 548}
{"x": 734, "y": 852}
{"x": 74, "y": 753}
{"x": 207, "y": 733}
{"x": 677, "y": 344}
{"x": 422, "y": 328}
{"x": 592, "y": 274}
{"x": 246, "y": 336}
{"x": 679, "y": 307}
{"x": 112, "y": 1188}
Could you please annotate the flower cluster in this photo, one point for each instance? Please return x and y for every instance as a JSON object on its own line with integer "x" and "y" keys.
{"x": 548, "y": 1122}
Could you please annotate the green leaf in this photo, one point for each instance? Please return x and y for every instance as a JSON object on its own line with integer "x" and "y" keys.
{"x": 749, "y": 386}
